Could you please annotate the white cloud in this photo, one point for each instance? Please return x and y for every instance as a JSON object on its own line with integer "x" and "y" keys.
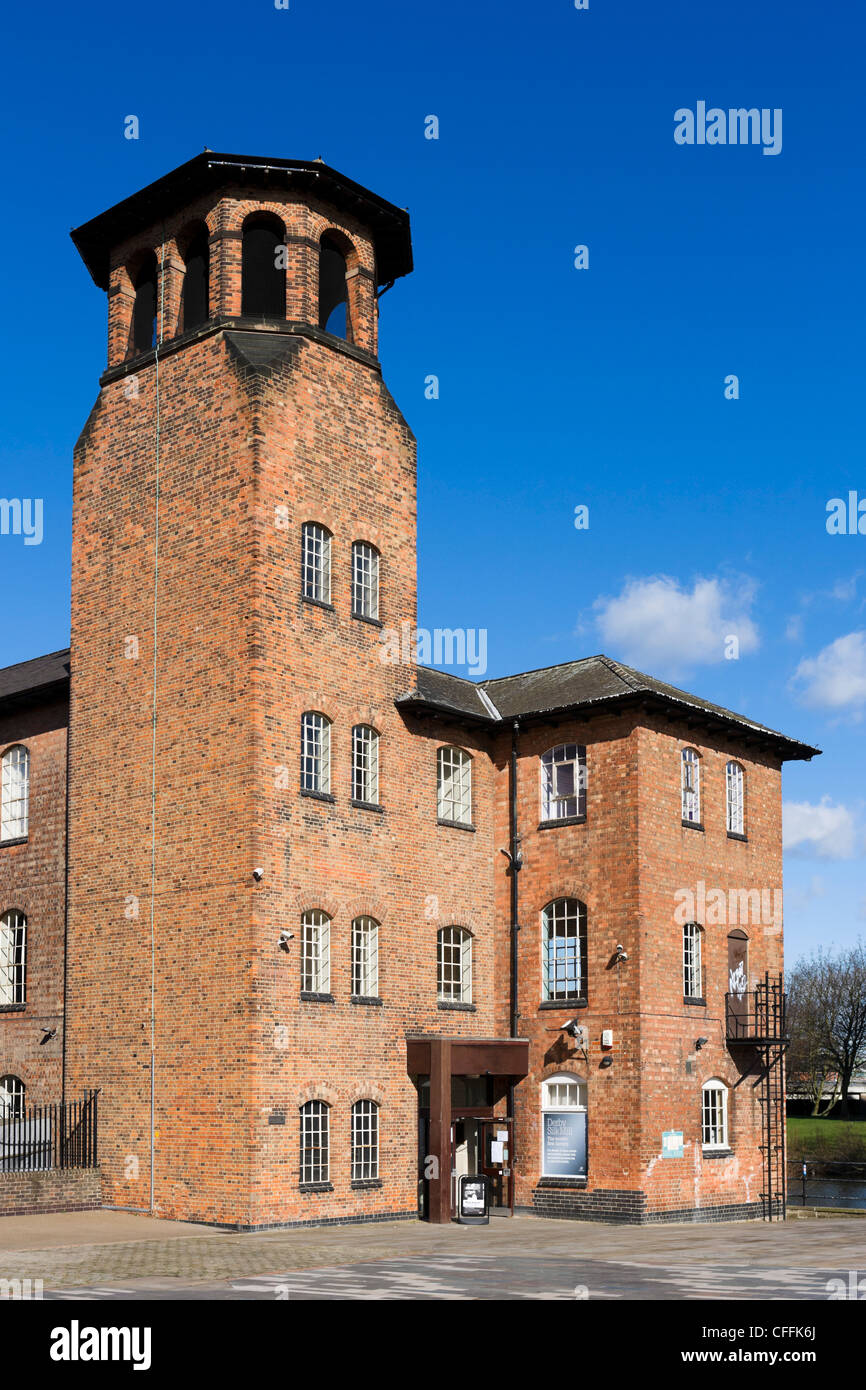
{"x": 819, "y": 831}
{"x": 794, "y": 629}
{"x": 835, "y": 678}
{"x": 657, "y": 625}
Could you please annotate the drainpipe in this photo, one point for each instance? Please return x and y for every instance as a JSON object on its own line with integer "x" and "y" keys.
{"x": 516, "y": 862}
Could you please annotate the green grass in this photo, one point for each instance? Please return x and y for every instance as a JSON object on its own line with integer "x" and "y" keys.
{"x": 826, "y": 1138}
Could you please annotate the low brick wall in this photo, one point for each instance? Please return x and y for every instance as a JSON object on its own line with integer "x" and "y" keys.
{"x": 58, "y": 1189}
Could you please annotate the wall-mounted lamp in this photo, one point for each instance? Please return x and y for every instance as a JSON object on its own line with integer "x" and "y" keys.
{"x": 701, "y": 1042}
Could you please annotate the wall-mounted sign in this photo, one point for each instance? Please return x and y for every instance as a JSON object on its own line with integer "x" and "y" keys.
{"x": 564, "y": 1144}
{"x": 672, "y": 1143}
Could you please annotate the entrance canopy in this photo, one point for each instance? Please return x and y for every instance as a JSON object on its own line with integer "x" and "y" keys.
{"x": 441, "y": 1059}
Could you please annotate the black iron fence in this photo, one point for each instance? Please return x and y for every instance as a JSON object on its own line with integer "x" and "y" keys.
{"x": 34, "y": 1137}
{"x": 827, "y": 1182}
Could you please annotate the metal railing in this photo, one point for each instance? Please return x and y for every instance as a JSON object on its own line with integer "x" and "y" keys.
{"x": 39, "y": 1137}
{"x": 759, "y": 1015}
{"x": 828, "y": 1182}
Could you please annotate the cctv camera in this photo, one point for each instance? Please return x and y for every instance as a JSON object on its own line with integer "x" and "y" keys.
{"x": 258, "y": 874}
{"x": 285, "y": 938}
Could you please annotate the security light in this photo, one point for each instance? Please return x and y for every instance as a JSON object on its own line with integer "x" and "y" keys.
{"x": 701, "y": 1042}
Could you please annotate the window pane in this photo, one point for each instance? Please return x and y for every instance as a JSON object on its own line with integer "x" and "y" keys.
{"x": 15, "y": 794}
{"x": 454, "y": 785}
{"x": 365, "y": 580}
{"x": 316, "y": 563}
{"x": 564, "y": 955}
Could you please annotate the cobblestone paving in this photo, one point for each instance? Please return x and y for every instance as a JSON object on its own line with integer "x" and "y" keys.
{"x": 525, "y": 1258}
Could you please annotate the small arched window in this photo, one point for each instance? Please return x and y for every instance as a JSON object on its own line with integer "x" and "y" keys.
{"x": 734, "y": 783}
{"x": 143, "y": 333}
{"x": 11, "y": 1097}
{"x": 454, "y": 786}
{"x": 714, "y": 1115}
{"x": 365, "y": 1141}
{"x": 333, "y": 292}
{"x": 316, "y": 952}
{"x": 563, "y": 1122}
{"x": 195, "y": 295}
{"x": 693, "y": 976}
{"x": 13, "y": 940}
{"x": 365, "y": 764}
{"x": 365, "y": 580}
{"x": 315, "y": 1142}
{"x": 454, "y": 965}
{"x": 15, "y": 793}
{"x": 691, "y": 786}
{"x": 315, "y": 753}
{"x": 316, "y": 562}
{"x": 365, "y": 958}
{"x": 564, "y": 950}
{"x": 263, "y": 267}
{"x": 563, "y": 782}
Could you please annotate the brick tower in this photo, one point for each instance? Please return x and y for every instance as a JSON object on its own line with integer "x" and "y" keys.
{"x": 242, "y": 471}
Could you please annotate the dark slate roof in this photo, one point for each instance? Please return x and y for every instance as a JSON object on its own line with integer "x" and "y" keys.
{"x": 211, "y": 171}
{"x": 28, "y": 682}
{"x": 593, "y": 682}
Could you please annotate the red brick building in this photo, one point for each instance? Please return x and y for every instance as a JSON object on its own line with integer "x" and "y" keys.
{"x": 331, "y": 924}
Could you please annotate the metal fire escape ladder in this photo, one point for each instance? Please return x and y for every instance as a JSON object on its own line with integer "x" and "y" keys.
{"x": 759, "y": 1020}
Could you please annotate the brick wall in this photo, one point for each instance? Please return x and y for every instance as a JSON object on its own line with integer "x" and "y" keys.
{"x": 58, "y": 1189}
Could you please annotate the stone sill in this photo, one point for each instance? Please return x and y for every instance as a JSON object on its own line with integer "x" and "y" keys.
{"x": 368, "y": 806}
{"x": 318, "y": 796}
{"x": 12, "y": 1008}
{"x": 369, "y": 999}
{"x": 456, "y": 1006}
{"x": 735, "y": 835}
{"x": 717, "y": 1153}
{"x": 312, "y": 997}
{"x": 318, "y": 603}
{"x": 362, "y": 618}
{"x": 316, "y": 1187}
{"x": 693, "y": 825}
{"x": 20, "y": 840}
{"x": 694, "y": 999}
{"x": 564, "y": 820}
{"x": 456, "y": 824}
{"x": 362, "y": 1184}
{"x": 564, "y": 1004}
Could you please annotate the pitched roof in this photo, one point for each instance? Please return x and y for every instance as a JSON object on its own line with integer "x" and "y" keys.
{"x": 26, "y": 683}
{"x": 590, "y": 683}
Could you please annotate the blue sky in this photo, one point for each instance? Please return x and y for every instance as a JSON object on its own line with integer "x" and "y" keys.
{"x": 558, "y": 386}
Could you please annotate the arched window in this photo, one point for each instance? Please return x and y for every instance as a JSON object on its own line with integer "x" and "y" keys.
{"x": 315, "y": 753}
{"x": 734, "y": 783}
{"x": 691, "y": 786}
{"x": 365, "y": 580}
{"x": 714, "y": 1115}
{"x": 333, "y": 295}
{"x": 563, "y": 782}
{"x": 316, "y": 562}
{"x": 144, "y": 306}
{"x": 365, "y": 958}
{"x": 365, "y": 764}
{"x": 316, "y": 952}
{"x": 365, "y": 1141}
{"x": 195, "y": 295}
{"x": 454, "y": 965}
{"x": 13, "y": 938}
{"x": 693, "y": 977}
{"x": 315, "y": 1136}
{"x": 263, "y": 267}
{"x": 563, "y": 1121}
{"x": 454, "y": 786}
{"x": 15, "y": 793}
{"x": 11, "y": 1097}
{"x": 564, "y": 950}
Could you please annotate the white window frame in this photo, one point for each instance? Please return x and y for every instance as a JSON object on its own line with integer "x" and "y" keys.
{"x": 365, "y": 1141}
{"x": 15, "y": 793}
{"x": 315, "y": 753}
{"x": 690, "y": 774}
{"x": 316, "y": 952}
{"x": 454, "y": 965}
{"x": 365, "y": 764}
{"x": 13, "y": 962}
{"x": 714, "y": 1116}
{"x": 454, "y": 785}
{"x": 12, "y": 1092}
{"x": 558, "y": 802}
{"x": 365, "y": 958}
{"x": 316, "y": 562}
{"x": 315, "y": 1125}
{"x": 365, "y": 580}
{"x": 692, "y": 961}
{"x": 563, "y": 919}
{"x": 735, "y": 785}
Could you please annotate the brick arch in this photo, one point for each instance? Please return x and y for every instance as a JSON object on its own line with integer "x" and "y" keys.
{"x": 318, "y": 900}
{"x": 367, "y": 1090}
{"x": 367, "y": 907}
{"x": 317, "y": 1090}
{"x": 371, "y": 715}
{"x": 314, "y": 702}
{"x": 453, "y": 912}
{"x": 373, "y": 536}
{"x": 563, "y": 889}
{"x": 566, "y": 1068}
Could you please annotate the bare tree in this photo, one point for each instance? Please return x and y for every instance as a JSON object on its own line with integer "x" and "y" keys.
{"x": 827, "y": 1024}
